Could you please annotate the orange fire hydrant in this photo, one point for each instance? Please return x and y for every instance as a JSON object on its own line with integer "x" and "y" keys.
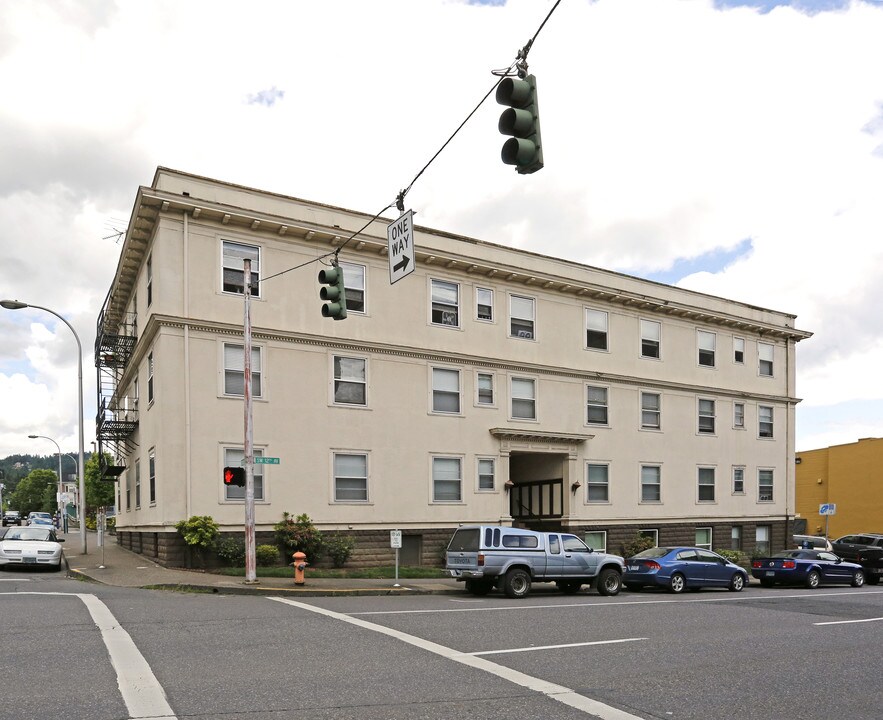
{"x": 300, "y": 564}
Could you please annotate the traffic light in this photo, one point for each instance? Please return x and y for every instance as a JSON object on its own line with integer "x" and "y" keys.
{"x": 333, "y": 293}
{"x": 234, "y": 476}
{"x": 521, "y": 119}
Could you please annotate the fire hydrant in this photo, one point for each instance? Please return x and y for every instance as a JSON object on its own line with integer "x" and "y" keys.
{"x": 300, "y": 564}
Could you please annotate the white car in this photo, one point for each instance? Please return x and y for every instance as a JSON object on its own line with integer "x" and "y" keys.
{"x": 30, "y": 546}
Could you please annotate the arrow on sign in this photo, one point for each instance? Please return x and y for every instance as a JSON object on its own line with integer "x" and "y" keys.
{"x": 402, "y": 264}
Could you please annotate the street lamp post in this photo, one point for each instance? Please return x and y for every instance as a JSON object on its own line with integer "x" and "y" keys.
{"x": 16, "y": 305}
{"x": 58, "y": 497}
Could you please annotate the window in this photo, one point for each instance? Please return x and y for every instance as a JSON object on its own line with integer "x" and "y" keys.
{"x": 445, "y": 303}
{"x": 650, "y": 410}
{"x": 486, "y": 473}
{"x": 765, "y": 359}
{"x": 234, "y": 271}
{"x": 522, "y": 311}
{"x": 706, "y": 416}
{"x": 765, "y": 421}
{"x": 596, "y": 405}
{"x": 706, "y": 484}
{"x": 652, "y": 534}
{"x": 738, "y": 350}
{"x": 762, "y": 535}
{"x": 485, "y": 386}
{"x": 234, "y": 457}
{"x": 703, "y": 540}
{"x": 596, "y": 539}
{"x": 234, "y": 370}
{"x": 484, "y": 304}
{"x": 128, "y": 491}
{"x": 447, "y": 479}
{"x": 149, "y": 280}
{"x": 596, "y": 329}
{"x": 445, "y": 390}
{"x": 651, "y": 333}
{"x": 651, "y": 483}
{"x": 151, "y": 475}
{"x": 137, "y": 483}
{"x": 150, "y": 377}
{"x": 350, "y": 387}
{"x": 706, "y": 341}
{"x": 524, "y": 398}
{"x": 597, "y": 483}
{"x": 765, "y": 485}
{"x": 350, "y": 477}
{"x": 736, "y": 537}
{"x": 738, "y": 481}
{"x": 738, "y": 415}
{"x": 354, "y": 284}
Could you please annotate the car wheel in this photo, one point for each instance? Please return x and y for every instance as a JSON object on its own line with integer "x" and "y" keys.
{"x": 858, "y": 578}
{"x": 677, "y": 583}
{"x": 634, "y": 587}
{"x": 813, "y": 579}
{"x": 517, "y": 583}
{"x": 737, "y": 582}
{"x": 609, "y": 582}
{"x": 569, "y": 587}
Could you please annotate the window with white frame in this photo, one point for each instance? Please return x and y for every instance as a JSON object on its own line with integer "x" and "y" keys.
{"x": 738, "y": 480}
{"x": 736, "y": 537}
{"x": 447, "y": 479}
{"x": 350, "y": 385}
{"x": 651, "y": 483}
{"x": 524, "y": 398}
{"x": 485, "y": 388}
{"x": 596, "y": 329}
{"x": 738, "y": 415}
{"x": 765, "y": 359}
{"x": 354, "y": 284}
{"x": 445, "y": 303}
{"x": 234, "y": 457}
{"x": 233, "y": 270}
{"x": 445, "y": 390}
{"x": 484, "y": 304}
{"x": 137, "y": 483}
{"x": 651, "y": 533}
{"x": 234, "y": 370}
{"x": 596, "y": 539}
{"x": 763, "y": 539}
{"x": 738, "y": 350}
{"x": 351, "y": 477}
{"x": 151, "y": 475}
{"x": 706, "y": 342}
{"x": 764, "y": 485}
{"x": 706, "y": 484}
{"x": 706, "y": 416}
{"x": 765, "y": 421}
{"x": 596, "y": 405}
{"x": 486, "y": 474}
{"x": 149, "y": 272}
{"x": 150, "y": 377}
{"x": 703, "y": 538}
{"x": 522, "y": 315}
{"x": 651, "y": 411}
{"x": 651, "y": 337}
{"x": 597, "y": 483}
{"x": 129, "y": 490}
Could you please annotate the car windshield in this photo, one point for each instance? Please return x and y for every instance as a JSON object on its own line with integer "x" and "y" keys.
{"x": 656, "y": 552}
{"x": 29, "y": 533}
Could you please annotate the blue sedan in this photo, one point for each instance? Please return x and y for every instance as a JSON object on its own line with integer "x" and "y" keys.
{"x": 679, "y": 568}
{"x": 810, "y": 568}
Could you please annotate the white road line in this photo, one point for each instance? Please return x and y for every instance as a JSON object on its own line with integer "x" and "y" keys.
{"x": 555, "y": 692}
{"x": 15, "y": 579}
{"x": 554, "y": 647}
{"x": 849, "y": 622}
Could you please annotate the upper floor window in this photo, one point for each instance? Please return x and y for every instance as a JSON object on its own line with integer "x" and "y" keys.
{"x": 234, "y": 457}
{"x": 597, "y": 483}
{"x": 447, "y": 479}
{"x": 234, "y": 370}
{"x": 765, "y": 359}
{"x": 706, "y": 342}
{"x": 706, "y": 484}
{"x": 765, "y": 485}
{"x": 350, "y": 475}
{"x": 445, "y": 303}
{"x": 137, "y": 483}
{"x": 596, "y": 405}
{"x": 738, "y": 480}
{"x": 485, "y": 384}
{"x": 651, "y": 336}
{"x": 445, "y": 390}
{"x": 524, "y": 398}
{"x": 765, "y": 421}
{"x": 486, "y": 473}
{"x": 354, "y": 283}
{"x": 149, "y": 280}
{"x": 150, "y": 377}
{"x": 650, "y": 410}
{"x": 706, "y": 415}
{"x": 233, "y": 270}
{"x": 738, "y": 350}
{"x": 350, "y": 386}
{"x": 651, "y": 483}
{"x": 151, "y": 475}
{"x": 738, "y": 415}
{"x": 522, "y": 311}
{"x": 596, "y": 329}
{"x": 484, "y": 304}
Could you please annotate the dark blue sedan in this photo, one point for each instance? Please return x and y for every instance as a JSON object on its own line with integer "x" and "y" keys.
{"x": 679, "y": 568}
{"x": 810, "y": 568}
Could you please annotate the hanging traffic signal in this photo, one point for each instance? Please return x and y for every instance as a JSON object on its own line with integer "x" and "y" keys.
{"x": 234, "y": 476}
{"x": 333, "y": 293}
{"x": 521, "y": 119}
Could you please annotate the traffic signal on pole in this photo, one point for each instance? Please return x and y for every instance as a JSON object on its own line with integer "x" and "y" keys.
{"x": 234, "y": 476}
{"x": 333, "y": 292}
{"x": 521, "y": 120}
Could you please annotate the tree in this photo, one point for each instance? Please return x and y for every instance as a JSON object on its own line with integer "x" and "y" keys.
{"x": 35, "y": 493}
{"x": 99, "y": 493}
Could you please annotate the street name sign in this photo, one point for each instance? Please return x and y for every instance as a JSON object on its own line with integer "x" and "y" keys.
{"x": 261, "y": 460}
{"x": 828, "y": 509}
{"x": 400, "y": 244}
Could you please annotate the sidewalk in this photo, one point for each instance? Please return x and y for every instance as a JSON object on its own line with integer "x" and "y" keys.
{"x": 114, "y": 565}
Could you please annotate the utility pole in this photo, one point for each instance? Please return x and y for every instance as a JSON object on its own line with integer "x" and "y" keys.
{"x": 250, "y": 574}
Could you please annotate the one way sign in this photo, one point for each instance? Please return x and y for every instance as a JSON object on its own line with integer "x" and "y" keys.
{"x": 400, "y": 243}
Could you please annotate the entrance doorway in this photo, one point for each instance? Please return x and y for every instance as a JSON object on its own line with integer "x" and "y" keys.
{"x": 537, "y": 495}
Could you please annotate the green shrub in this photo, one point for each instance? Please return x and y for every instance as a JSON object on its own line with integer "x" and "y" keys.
{"x": 735, "y": 556}
{"x": 231, "y": 550}
{"x": 265, "y": 555}
{"x": 293, "y": 534}
{"x": 339, "y": 548}
{"x": 637, "y": 544}
{"x": 199, "y": 531}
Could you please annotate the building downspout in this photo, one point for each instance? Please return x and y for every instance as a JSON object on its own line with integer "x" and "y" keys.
{"x": 188, "y": 472}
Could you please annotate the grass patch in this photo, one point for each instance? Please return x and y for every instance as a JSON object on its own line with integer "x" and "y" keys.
{"x": 377, "y": 573}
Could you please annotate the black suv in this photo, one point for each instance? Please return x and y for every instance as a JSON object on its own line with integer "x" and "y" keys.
{"x": 11, "y": 517}
{"x": 866, "y": 549}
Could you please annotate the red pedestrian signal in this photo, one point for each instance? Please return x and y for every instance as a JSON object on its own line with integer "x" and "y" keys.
{"x": 234, "y": 476}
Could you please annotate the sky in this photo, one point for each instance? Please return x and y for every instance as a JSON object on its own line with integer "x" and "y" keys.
{"x": 733, "y": 148}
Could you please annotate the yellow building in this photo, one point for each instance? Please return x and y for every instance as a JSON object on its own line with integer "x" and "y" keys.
{"x": 851, "y": 477}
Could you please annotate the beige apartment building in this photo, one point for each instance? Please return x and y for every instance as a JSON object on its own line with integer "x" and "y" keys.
{"x": 490, "y": 385}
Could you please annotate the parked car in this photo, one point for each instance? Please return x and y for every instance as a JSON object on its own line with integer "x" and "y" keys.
{"x": 810, "y": 568}
{"x": 11, "y": 517}
{"x": 42, "y": 515}
{"x": 865, "y": 549}
{"x": 679, "y": 568}
{"x": 31, "y": 546}
{"x": 812, "y": 542}
{"x": 40, "y": 521}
